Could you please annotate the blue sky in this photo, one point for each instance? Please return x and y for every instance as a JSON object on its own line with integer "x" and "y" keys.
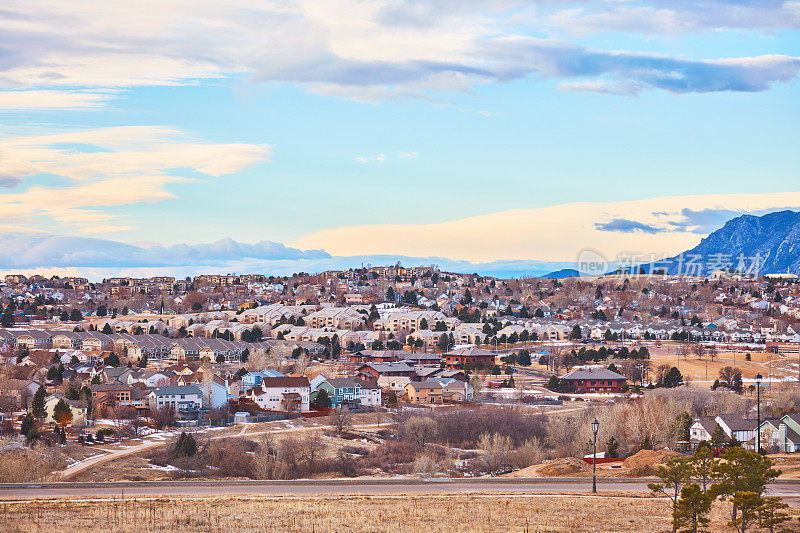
{"x": 296, "y": 122}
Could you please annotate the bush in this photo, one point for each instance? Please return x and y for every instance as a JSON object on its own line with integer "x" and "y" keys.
{"x": 391, "y": 456}
{"x": 185, "y": 446}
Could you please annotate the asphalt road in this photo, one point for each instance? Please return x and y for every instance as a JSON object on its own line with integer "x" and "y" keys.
{"x": 788, "y": 489}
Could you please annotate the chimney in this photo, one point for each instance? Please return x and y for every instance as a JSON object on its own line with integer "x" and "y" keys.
{"x": 782, "y": 437}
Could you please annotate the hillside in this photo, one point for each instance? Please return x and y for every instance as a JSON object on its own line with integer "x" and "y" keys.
{"x": 771, "y": 241}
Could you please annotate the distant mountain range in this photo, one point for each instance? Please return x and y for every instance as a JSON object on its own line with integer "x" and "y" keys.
{"x": 766, "y": 244}
{"x": 99, "y": 258}
{"x": 770, "y": 242}
{"x": 563, "y": 273}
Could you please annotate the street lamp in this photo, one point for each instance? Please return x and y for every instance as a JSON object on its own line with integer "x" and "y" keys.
{"x": 595, "y": 427}
{"x": 759, "y": 377}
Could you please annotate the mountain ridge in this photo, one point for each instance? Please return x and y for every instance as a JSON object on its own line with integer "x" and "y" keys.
{"x": 767, "y": 244}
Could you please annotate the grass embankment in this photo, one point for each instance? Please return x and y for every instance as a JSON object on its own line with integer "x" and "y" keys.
{"x": 455, "y": 512}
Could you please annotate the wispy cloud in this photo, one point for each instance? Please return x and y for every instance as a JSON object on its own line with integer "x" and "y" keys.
{"x": 372, "y": 50}
{"x": 665, "y": 225}
{"x": 409, "y": 155}
{"x": 380, "y": 158}
{"x": 51, "y": 99}
{"x": 108, "y": 167}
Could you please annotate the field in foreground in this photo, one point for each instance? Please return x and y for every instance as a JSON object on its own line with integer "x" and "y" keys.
{"x": 474, "y": 512}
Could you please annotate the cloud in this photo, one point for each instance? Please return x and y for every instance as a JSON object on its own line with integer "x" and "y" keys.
{"x": 380, "y": 158}
{"x": 9, "y": 182}
{"x": 108, "y": 167}
{"x": 409, "y": 155}
{"x": 630, "y": 73}
{"x": 31, "y": 250}
{"x": 370, "y": 50}
{"x": 555, "y": 233}
{"x": 42, "y": 253}
{"x": 38, "y": 99}
{"x": 674, "y": 17}
{"x": 627, "y": 226}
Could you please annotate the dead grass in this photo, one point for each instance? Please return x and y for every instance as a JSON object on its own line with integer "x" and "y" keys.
{"x": 445, "y": 513}
{"x": 788, "y": 464}
{"x": 695, "y": 368}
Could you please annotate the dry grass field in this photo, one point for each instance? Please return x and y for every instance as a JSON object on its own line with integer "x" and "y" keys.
{"x": 418, "y": 513}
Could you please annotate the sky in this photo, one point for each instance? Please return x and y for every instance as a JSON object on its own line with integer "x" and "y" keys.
{"x": 475, "y": 131}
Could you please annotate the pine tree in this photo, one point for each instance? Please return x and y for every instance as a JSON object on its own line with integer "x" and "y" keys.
{"x": 62, "y": 413}
{"x": 185, "y": 446}
{"x": 771, "y": 513}
{"x": 37, "y": 405}
{"x": 691, "y": 510}
{"x": 674, "y": 475}
{"x": 27, "y": 424}
{"x": 612, "y": 447}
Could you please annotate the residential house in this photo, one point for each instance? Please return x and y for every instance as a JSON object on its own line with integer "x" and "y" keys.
{"x": 369, "y": 394}
{"x": 215, "y": 392}
{"x": 185, "y": 399}
{"x": 253, "y": 379}
{"x": 78, "y": 409}
{"x": 425, "y": 392}
{"x": 343, "y": 392}
{"x": 392, "y": 376}
{"x": 470, "y": 356}
{"x": 738, "y": 427}
{"x": 454, "y": 390}
{"x": 595, "y": 380}
{"x": 285, "y": 394}
{"x": 18, "y": 391}
{"x": 781, "y": 434}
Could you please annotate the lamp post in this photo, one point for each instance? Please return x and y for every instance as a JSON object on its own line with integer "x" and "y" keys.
{"x": 595, "y": 427}
{"x": 758, "y": 412}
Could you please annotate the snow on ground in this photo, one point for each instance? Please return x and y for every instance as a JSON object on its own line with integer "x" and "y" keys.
{"x": 166, "y": 468}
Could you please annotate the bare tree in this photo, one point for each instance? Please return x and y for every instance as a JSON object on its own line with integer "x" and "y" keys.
{"x": 264, "y": 459}
{"x": 420, "y": 430}
{"x": 340, "y": 419}
{"x": 496, "y": 452}
{"x": 164, "y": 416}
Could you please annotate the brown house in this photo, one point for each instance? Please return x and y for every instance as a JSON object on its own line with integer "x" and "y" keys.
{"x": 470, "y": 356}
{"x": 426, "y": 392}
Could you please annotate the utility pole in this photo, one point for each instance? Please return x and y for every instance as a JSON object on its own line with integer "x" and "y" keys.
{"x": 595, "y": 427}
{"x": 758, "y": 412}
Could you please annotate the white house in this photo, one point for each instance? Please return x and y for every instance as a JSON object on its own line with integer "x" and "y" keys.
{"x": 215, "y": 392}
{"x": 369, "y": 394}
{"x": 184, "y": 398}
{"x": 286, "y": 394}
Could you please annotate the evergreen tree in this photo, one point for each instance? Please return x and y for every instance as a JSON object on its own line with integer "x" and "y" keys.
{"x": 27, "y": 424}
{"x": 673, "y": 475}
{"x": 703, "y": 462}
{"x": 62, "y": 413}
{"x": 323, "y": 400}
{"x": 771, "y": 513}
{"x": 8, "y": 318}
{"x": 612, "y": 447}
{"x": 37, "y": 405}
{"x": 691, "y": 510}
{"x": 718, "y": 437}
{"x": 185, "y": 446}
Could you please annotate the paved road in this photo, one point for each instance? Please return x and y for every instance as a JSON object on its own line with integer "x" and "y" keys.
{"x": 789, "y": 489}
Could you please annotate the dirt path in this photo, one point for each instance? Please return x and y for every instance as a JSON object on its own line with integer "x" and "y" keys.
{"x": 114, "y": 454}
